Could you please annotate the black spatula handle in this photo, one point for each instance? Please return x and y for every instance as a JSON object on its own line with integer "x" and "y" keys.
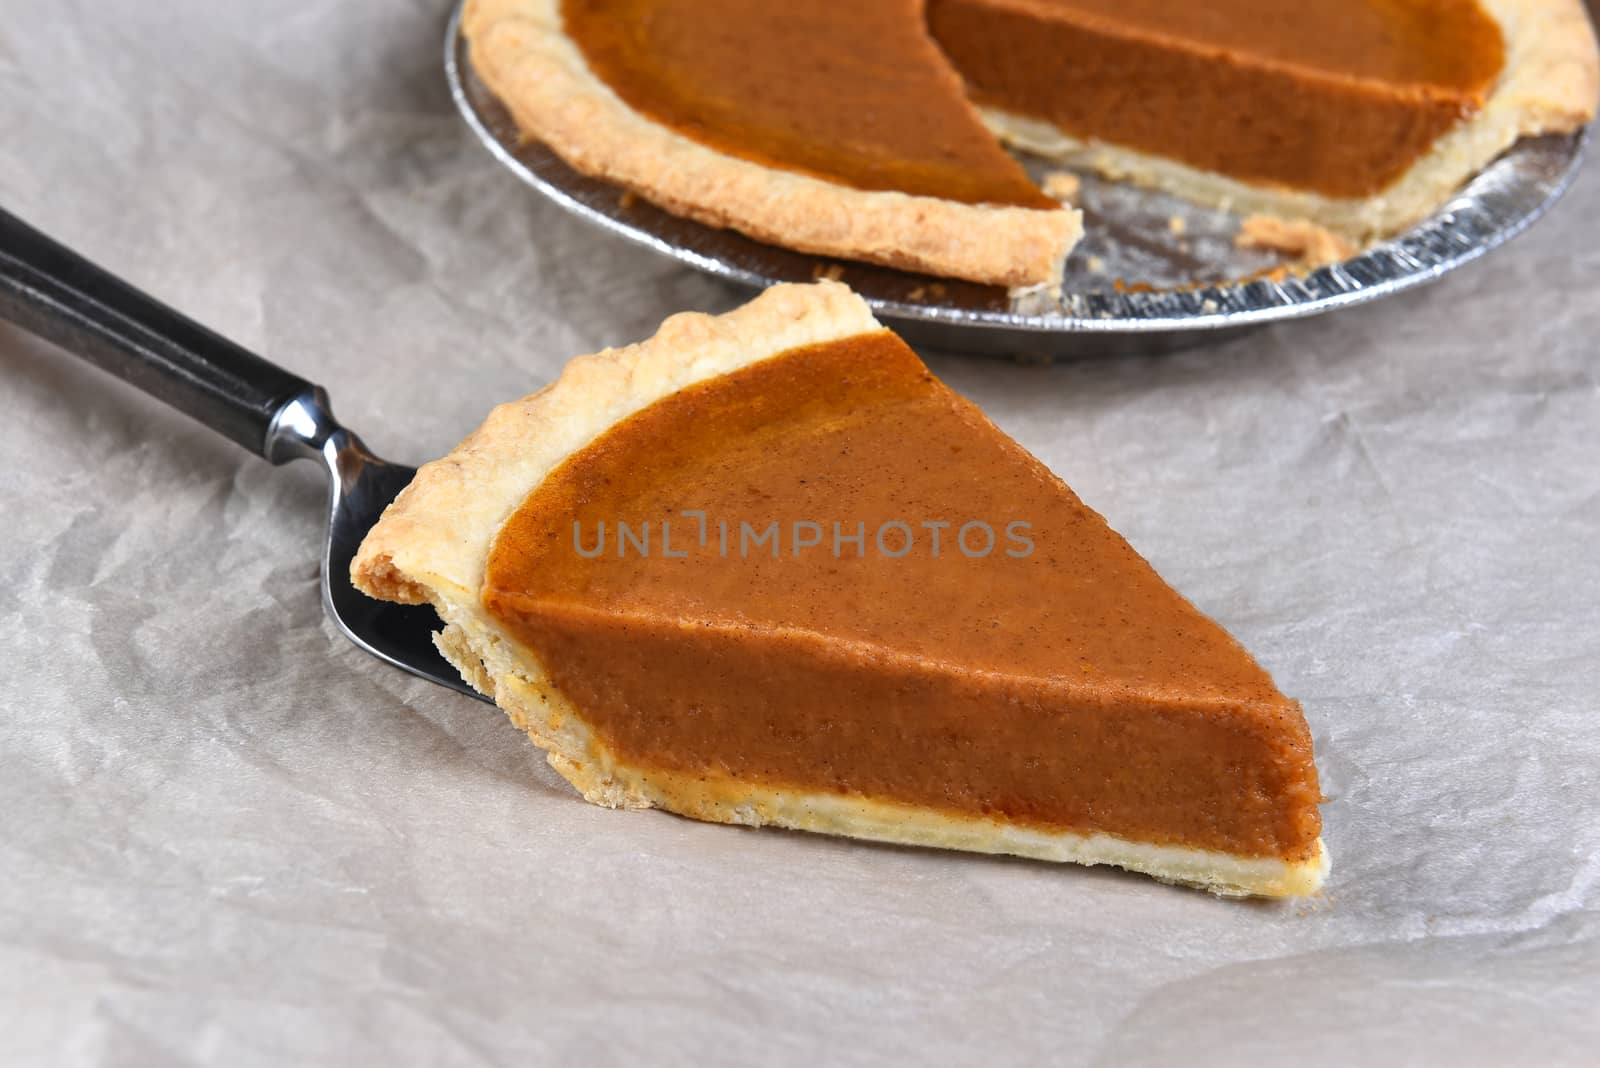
{"x": 53, "y": 292}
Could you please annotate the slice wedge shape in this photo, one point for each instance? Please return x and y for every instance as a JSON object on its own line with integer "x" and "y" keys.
{"x": 764, "y": 568}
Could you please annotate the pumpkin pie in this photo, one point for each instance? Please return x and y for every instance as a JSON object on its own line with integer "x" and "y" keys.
{"x": 764, "y": 568}
{"x": 850, "y": 129}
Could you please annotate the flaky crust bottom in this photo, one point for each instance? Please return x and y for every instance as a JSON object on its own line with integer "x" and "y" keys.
{"x": 432, "y": 546}
{"x": 1549, "y": 85}
{"x": 523, "y": 55}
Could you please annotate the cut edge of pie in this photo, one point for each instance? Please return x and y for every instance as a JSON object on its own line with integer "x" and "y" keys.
{"x": 521, "y": 52}
{"x": 433, "y": 545}
{"x": 1550, "y": 84}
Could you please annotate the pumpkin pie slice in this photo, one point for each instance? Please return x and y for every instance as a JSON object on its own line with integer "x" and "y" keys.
{"x": 764, "y": 568}
{"x": 1364, "y": 116}
{"x": 836, "y": 129}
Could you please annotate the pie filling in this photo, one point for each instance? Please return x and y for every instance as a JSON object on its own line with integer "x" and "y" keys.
{"x": 854, "y": 93}
{"x": 837, "y": 576}
{"x": 1338, "y": 97}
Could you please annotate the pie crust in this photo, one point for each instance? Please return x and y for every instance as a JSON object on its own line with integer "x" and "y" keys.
{"x": 524, "y": 57}
{"x": 433, "y": 543}
{"x": 1550, "y": 84}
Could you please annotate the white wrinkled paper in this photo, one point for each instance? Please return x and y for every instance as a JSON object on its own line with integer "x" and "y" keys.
{"x": 227, "y": 836}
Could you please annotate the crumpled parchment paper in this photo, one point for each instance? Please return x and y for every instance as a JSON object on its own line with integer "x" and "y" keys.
{"x": 229, "y": 837}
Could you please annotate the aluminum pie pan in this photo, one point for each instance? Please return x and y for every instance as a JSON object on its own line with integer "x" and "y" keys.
{"x": 1184, "y": 252}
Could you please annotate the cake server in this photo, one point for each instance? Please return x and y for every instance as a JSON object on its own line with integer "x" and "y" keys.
{"x": 58, "y": 295}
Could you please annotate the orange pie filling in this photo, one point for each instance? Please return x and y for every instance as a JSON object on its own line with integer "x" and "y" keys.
{"x": 1337, "y": 97}
{"x": 805, "y": 598}
{"x": 853, "y": 93}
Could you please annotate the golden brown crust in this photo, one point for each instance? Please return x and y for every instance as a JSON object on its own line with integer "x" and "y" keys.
{"x": 524, "y": 57}
{"x": 1062, "y": 185}
{"x": 1309, "y": 244}
{"x": 432, "y": 546}
{"x": 1550, "y": 84}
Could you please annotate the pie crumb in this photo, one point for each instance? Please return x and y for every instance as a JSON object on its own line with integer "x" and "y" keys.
{"x": 1062, "y": 185}
{"x": 1311, "y": 245}
{"x": 1177, "y": 224}
{"x": 1096, "y": 265}
{"x": 627, "y": 200}
{"x": 936, "y": 290}
{"x": 832, "y": 272}
{"x": 917, "y": 293}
